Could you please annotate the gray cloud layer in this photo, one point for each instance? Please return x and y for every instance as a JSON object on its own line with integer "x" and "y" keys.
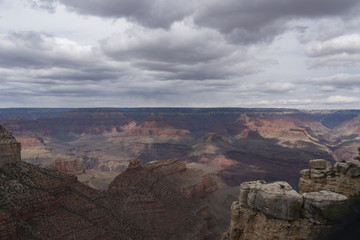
{"x": 252, "y": 21}
{"x": 182, "y": 52}
{"x": 192, "y": 53}
{"x": 242, "y": 21}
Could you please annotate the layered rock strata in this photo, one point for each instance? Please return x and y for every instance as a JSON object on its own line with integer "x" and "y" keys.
{"x": 275, "y": 211}
{"x": 343, "y": 177}
{"x": 140, "y": 203}
{"x": 156, "y": 203}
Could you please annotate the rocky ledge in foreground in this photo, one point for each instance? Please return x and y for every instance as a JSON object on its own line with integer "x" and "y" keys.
{"x": 343, "y": 178}
{"x": 276, "y": 211}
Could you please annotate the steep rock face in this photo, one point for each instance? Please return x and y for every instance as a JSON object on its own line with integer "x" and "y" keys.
{"x": 275, "y": 211}
{"x": 343, "y": 178}
{"x": 209, "y": 194}
{"x": 316, "y": 203}
{"x": 10, "y": 149}
{"x": 155, "y": 204}
{"x": 37, "y": 203}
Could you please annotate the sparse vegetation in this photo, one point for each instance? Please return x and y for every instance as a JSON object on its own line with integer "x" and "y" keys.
{"x": 358, "y": 157}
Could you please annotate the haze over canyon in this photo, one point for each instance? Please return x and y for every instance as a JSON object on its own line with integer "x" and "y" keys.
{"x": 233, "y": 143}
{"x": 152, "y": 164}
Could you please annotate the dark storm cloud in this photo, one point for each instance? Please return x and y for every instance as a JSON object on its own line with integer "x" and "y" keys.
{"x": 180, "y": 44}
{"x": 160, "y": 47}
{"x": 150, "y": 13}
{"x": 181, "y": 52}
{"x": 80, "y": 75}
{"x": 251, "y": 21}
{"x": 198, "y": 48}
{"x": 242, "y": 21}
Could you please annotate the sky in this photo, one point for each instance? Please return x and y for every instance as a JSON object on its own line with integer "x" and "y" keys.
{"x": 301, "y": 54}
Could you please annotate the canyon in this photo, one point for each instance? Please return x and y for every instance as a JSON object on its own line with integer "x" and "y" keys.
{"x": 152, "y": 160}
{"x": 235, "y": 144}
{"x": 160, "y": 200}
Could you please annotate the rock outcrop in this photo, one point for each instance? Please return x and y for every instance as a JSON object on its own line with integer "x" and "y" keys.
{"x": 10, "y": 149}
{"x": 275, "y": 211}
{"x": 343, "y": 177}
{"x": 316, "y": 204}
{"x": 276, "y": 200}
{"x": 156, "y": 203}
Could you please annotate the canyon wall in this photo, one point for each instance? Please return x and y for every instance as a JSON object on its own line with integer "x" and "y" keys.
{"x": 236, "y": 144}
{"x": 10, "y": 149}
{"x": 276, "y": 211}
{"x": 161, "y": 200}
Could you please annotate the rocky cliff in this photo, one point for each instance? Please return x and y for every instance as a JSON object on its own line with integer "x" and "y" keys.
{"x": 155, "y": 196}
{"x": 343, "y": 177}
{"x": 10, "y": 149}
{"x": 144, "y": 202}
{"x": 44, "y": 204}
{"x": 276, "y": 211}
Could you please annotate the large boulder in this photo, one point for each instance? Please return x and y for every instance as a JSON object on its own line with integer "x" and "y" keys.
{"x": 245, "y": 188}
{"x": 341, "y": 167}
{"x": 354, "y": 168}
{"x": 315, "y": 203}
{"x": 277, "y": 200}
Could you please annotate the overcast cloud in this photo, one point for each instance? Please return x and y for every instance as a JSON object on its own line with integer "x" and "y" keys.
{"x": 198, "y": 53}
